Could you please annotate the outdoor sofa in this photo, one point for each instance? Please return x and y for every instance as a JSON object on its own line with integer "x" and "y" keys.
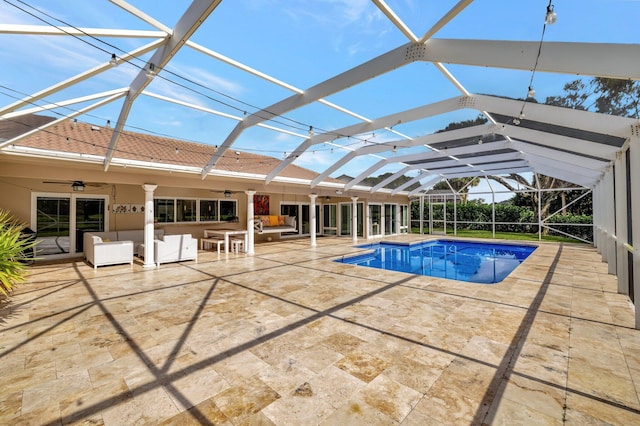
{"x": 114, "y": 247}
{"x": 266, "y": 224}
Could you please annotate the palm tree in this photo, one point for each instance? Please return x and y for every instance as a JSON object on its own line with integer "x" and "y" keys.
{"x": 15, "y": 252}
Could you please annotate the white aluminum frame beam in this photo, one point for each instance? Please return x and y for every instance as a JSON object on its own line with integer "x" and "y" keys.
{"x": 601, "y": 123}
{"x": 141, "y": 15}
{"x": 62, "y": 104}
{"x": 452, "y": 13}
{"x": 190, "y": 21}
{"x": 391, "y": 15}
{"x": 621, "y": 61}
{"x": 214, "y": 112}
{"x": 494, "y": 169}
{"x": 559, "y": 116}
{"x": 426, "y": 185}
{"x": 79, "y": 32}
{"x": 427, "y": 155}
{"x": 78, "y": 78}
{"x": 60, "y": 120}
{"x": 467, "y": 132}
{"x": 414, "y": 180}
{"x": 564, "y": 175}
{"x": 565, "y": 143}
{"x": 407, "y": 116}
{"x": 561, "y": 165}
{"x": 270, "y": 79}
{"x": 487, "y": 173}
{"x": 566, "y": 157}
{"x": 390, "y": 179}
{"x": 433, "y": 154}
{"x": 363, "y": 72}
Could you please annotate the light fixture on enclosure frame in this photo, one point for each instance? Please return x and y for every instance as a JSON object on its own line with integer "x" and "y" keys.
{"x": 114, "y": 60}
{"x": 227, "y": 193}
{"x": 551, "y": 17}
{"x": 151, "y": 72}
{"x": 77, "y": 186}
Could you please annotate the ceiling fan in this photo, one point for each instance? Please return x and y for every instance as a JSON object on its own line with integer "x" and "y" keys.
{"x": 227, "y": 193}
{"x": 76, "y": 185}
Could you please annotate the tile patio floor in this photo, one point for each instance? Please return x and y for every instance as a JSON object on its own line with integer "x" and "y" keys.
{"x": 288, "y": 337}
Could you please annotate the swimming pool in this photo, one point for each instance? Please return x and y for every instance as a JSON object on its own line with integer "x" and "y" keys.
{"x": 485, "y": 263}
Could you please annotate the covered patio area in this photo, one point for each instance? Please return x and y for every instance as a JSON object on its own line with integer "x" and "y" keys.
{"x": 289, "y": 337}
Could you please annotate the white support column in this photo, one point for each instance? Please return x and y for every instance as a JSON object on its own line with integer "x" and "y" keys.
{"x": 313, "y": 219}
{"x": 596, "y": 215}
{"x": 634, "y": 189}
{"x": 250, "y": 218}
{"x": 598, "y": 228}
{"x": 148, "y": 226}
{"x": 455, "y": 213}
{"x": 622, "y": 272}
{"x": 539, "y": 207}
{"x": 611, "y": 223}
{"x": 354, "y": 219}
{"x": 421, "y": 207}
{"x": 604, "y": 220}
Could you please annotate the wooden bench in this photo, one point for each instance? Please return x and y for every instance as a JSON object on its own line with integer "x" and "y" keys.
{"x": 210, "y": 241}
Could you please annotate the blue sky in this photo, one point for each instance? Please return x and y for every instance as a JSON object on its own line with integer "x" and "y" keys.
{"x": 302, "y": 43}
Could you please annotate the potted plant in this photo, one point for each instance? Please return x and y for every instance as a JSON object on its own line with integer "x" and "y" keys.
{"x": 16, "y": 250}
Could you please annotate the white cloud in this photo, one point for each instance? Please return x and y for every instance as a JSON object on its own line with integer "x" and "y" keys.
{"x": 206, "y": 79}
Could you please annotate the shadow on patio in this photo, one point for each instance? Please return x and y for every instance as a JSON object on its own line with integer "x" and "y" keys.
{"x": 289, "y": 337}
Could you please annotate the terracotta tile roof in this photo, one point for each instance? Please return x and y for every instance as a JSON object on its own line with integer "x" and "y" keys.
{"x": 88, "y": 139}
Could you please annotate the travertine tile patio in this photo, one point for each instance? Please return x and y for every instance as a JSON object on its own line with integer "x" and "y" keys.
{"x": 287, "y": 337}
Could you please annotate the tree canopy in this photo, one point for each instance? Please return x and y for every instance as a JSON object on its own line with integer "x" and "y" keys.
{"x": 603, "y": 95}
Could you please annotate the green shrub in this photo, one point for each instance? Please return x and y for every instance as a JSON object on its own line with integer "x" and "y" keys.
{"x": 15, "y": 251}
{"x": 584, "y": 232}
{"x": 519, "y": 219}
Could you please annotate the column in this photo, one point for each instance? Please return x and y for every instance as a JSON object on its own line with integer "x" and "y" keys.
{"x": 354, "y": 219}
{"x": 148, "y": 226}
{"x": 313, "y": 218}
{"x": 611, "y": 224}
{"x": 596, "y": 215}
{"x": 633, "y": 186}
{"x": 250, "y": 236}
{"x": 620, "y": 208}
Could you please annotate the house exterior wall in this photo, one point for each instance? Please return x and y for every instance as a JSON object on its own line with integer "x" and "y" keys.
{"x": 22, "y": 176}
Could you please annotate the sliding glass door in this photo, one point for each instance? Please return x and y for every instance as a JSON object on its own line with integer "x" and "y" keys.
{"x": 375, "y": 220}
{"x": 60, "y": 221}
{"x": 90, "y": 216}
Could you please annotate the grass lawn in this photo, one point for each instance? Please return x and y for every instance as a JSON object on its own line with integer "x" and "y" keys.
{"x": 469, "y": 233}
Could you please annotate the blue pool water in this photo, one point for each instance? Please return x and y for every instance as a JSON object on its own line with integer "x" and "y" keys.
{"x": 485, "y": 263}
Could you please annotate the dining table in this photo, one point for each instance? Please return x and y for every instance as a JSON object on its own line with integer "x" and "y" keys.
{"x": 225, "y": 233}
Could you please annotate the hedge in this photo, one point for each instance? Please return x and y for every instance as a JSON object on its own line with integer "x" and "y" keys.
{"x": 519, "y": 219}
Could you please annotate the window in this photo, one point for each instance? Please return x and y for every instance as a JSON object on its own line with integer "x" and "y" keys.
{"x": 329, "y": 222}
{"x": 208, "y": 210}
{"x": 186, "y": 210}
{"x": 164, "y": 210}
{"x": 177, "y": 210}
{"x": 228, "y": 210}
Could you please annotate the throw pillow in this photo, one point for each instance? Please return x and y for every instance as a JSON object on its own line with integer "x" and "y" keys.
{"x": 280, "y": 220}
{"x": 273, "y": 220}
